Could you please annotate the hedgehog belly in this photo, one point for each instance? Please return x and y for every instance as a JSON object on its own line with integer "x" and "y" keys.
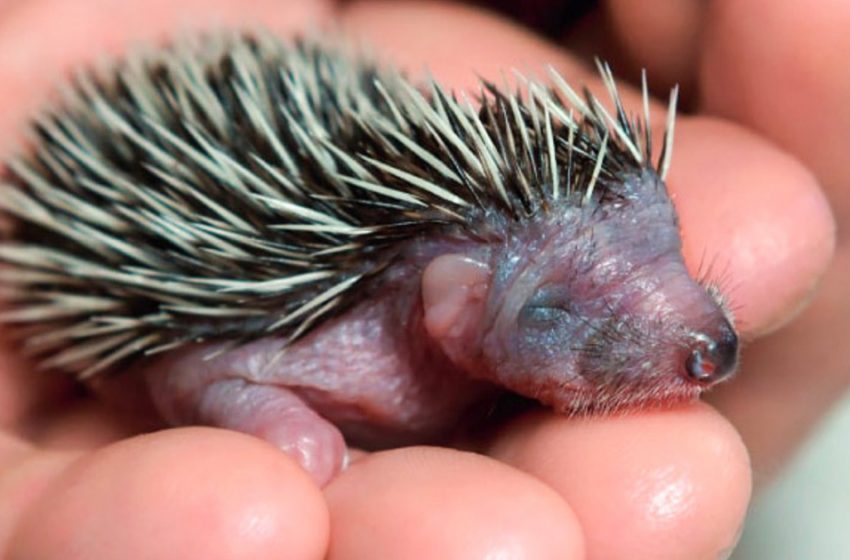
{"x": 369, "y": 375}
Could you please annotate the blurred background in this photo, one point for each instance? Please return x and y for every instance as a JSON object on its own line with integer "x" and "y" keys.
{"x": 804, "y": 514}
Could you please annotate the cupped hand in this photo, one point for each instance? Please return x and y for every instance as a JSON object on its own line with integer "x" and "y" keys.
{"x": 76, "y": 482}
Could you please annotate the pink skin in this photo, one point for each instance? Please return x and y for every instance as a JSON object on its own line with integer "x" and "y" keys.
{"x": 365, "y": 374}
{"x": 240, "y": 498}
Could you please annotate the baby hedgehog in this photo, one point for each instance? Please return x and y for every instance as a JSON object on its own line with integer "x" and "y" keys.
{"x": 290, "y": 240}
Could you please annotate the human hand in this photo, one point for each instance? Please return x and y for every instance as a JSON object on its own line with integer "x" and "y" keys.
{"x": 671, "y": 484}
{"x": 777, "y": 72}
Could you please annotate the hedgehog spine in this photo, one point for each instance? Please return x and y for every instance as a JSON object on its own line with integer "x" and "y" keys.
{"x": 263, "y": 184}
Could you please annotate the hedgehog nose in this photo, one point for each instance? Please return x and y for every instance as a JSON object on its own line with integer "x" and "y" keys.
{"x": 713, "y": 358}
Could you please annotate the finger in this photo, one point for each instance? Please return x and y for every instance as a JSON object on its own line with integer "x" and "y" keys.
{"x": 84, "y": 424}
{"x": 44, "y": 39}
{"x": 662, "y": 36}
{"x": 454, "y": 42}
{"x": 779, "y": 71}
{"x": 458, "y": 44}
{"x": 20, "y": 387}
{"x": 41, "y": 41}
{"x": 7, "y": 6}
{"x": 655, "y": 485}
{"x": 191, "y": 493}
{"x": 24, "y": 474}
{"x": 751, "y": 214}
{"x": 437, "y": 503}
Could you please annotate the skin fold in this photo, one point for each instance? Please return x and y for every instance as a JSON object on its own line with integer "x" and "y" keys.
{"x": 77, "y": 481}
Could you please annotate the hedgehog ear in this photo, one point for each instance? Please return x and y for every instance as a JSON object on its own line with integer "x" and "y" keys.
{"x": 454, "y": 295}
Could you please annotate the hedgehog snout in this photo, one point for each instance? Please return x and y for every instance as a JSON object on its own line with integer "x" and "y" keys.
{"x": 714, "y": 357}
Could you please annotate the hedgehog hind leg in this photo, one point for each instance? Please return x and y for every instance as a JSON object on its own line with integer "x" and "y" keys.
{"x": 270, "y": 412}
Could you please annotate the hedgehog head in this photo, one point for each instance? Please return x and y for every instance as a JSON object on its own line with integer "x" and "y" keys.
{"x": 589, "y": 308}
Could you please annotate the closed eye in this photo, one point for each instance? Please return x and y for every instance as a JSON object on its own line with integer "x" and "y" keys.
{"x": 542, "y": 316}
{"x": 548, "y": 305}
